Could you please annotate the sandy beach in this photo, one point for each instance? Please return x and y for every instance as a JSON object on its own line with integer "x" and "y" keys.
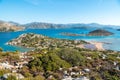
{"x": 93, "y": 45}
{"x": 80, "y": 46}
{"x": 98, "y": 45}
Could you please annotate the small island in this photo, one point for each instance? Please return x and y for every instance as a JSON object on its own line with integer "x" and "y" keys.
{"x": 71, "y": 34}
{"x": 100, "y": 32}
{"x": 118, "y": 29}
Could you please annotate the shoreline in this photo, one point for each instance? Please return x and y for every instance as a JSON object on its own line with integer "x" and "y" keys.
{"x": 93, "y": 45}
{"x": 98, "y": 45}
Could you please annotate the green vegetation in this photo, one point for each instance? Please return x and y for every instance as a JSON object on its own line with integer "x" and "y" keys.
{"x": 48, "y": 62}
{"x": 73, "y": 56}
{"x": 4, "y": 71}
{"x": 1, "y": 49}
{"x": 111, "y": 75}
{"x": 31, "y": 40}
{"x": 11, "y": 77}
{"x": 10, "y": 56}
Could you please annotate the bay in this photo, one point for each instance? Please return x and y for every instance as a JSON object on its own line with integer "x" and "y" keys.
{"x": 114, "y": 40}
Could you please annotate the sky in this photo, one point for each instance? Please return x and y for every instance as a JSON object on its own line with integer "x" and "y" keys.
{"x": 61, "y": 11}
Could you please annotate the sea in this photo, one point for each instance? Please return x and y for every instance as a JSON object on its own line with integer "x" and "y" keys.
{"x": 113, "y": 42}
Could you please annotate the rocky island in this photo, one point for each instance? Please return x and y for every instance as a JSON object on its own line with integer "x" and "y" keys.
{"x": 100, "y": 32}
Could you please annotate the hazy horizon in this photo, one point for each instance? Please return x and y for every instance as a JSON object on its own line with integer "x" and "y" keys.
{"x": 61, "y": 11}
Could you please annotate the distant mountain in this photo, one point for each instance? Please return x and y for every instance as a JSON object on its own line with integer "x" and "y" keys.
{"x": 39, "y": 25}
{"x": 6, "y": 26}
{"x": 94, "y": 25}
{"x": 14, "y": 23}
{"x": 100, "y": 32}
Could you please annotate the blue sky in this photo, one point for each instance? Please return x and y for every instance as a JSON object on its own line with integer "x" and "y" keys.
{"x": 61, "y": 11}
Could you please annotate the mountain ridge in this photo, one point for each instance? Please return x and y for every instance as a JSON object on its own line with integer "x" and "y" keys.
{"x": 6, "y": 27}
{"x": 45, "y": 25}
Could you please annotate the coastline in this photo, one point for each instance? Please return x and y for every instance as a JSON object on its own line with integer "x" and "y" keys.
{"x": 93, "y": 45}
{"x": 98, "y": 45}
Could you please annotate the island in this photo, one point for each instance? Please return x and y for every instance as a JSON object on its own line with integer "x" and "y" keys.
{"x": 118, "y": 29}
{"x": 100, "y": 32}
{"x": 31, "y": 40}
{"x": 37, "y": 41}
{"x": 71, "y": 34}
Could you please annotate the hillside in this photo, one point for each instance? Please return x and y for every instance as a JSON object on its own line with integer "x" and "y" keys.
{"x": 100, "y": 32}
{"x": 6, "y": 26}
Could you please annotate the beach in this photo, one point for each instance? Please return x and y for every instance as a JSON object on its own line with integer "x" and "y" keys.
{"x": 93, "y": 45}
{"x": 98, "y": 45}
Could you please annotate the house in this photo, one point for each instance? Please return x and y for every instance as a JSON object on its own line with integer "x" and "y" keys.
{"x": 20, "y": 64}
{"x": 104, "y": 56}
{"x": 117, "y": 67}
{"x": 6, "y": 65}
{"x": 115, "y": 63}
{"x": 87, "y": 70}
{"x": 82, "y": 78}
{"x": 67, "y": 78}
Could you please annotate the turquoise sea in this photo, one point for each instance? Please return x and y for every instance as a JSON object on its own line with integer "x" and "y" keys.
{"x": 114, "y": 40}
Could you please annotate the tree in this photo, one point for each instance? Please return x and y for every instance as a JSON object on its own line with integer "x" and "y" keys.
{"x": 48, "y": 62}
{"x": 1, "y": 49}
{"x": 72, "y": 56}
{"x": 11, "y": 77}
